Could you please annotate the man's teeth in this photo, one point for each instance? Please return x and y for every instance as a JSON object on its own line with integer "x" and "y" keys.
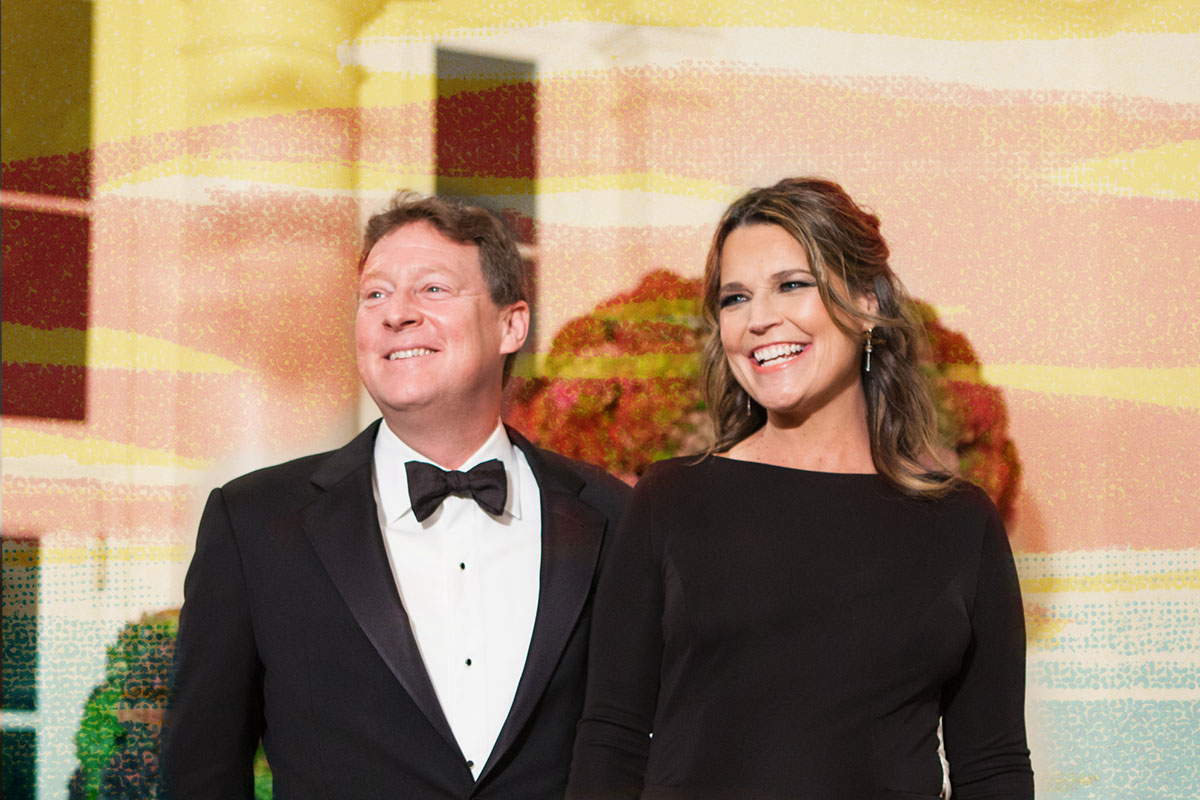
{"x": 413, "y": 353}
{"x": 777, "y": 351}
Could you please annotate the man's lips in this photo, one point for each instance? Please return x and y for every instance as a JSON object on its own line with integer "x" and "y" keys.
{"x": 412, "y": 352}
{"x": 777, "y": 353}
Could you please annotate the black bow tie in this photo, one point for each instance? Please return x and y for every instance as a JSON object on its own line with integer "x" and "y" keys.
{"x": 428, "y": 486}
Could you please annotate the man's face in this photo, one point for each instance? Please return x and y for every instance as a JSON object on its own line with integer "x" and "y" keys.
{"x": 428, "y": 336}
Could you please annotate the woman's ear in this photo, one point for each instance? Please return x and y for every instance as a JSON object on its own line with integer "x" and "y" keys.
{"x": 868, "y": 303}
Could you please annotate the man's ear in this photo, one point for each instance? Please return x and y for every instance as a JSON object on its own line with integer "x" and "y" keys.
{"x": 515, "y": 327}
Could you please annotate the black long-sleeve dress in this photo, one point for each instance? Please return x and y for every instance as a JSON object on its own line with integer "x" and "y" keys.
{"x": 795, "y": 634}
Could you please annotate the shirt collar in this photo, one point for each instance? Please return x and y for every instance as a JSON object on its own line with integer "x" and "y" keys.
{"x": 392, "y": 480}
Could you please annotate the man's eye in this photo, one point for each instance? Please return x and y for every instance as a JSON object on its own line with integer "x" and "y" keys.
{"x": 374, "y": 294}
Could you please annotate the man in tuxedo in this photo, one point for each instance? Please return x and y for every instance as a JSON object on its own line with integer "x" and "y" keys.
{"x": 406, "y": 617}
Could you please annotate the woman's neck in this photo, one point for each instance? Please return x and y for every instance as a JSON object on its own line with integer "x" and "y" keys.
{"x": 831, "y": 439}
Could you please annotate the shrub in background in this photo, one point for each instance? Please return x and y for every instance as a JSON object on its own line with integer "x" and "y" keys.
{"x": 118, "y": 739}
{"x": 620, "y": 388}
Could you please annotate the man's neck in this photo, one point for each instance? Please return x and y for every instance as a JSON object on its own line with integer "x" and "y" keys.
{"x": 446, "y": 444}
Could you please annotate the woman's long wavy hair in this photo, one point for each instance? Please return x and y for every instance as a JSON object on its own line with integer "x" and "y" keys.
{"x": 840, "y": 238}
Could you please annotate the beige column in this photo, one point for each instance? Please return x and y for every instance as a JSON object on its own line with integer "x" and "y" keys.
{"x": 272, "y": 232}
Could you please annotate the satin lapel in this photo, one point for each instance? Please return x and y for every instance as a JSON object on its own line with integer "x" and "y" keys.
{"x": 343, "y": 526}
{"x": 571, "y": 535}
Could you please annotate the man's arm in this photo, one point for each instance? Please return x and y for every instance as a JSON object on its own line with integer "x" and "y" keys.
{"x": 215, "y": 712}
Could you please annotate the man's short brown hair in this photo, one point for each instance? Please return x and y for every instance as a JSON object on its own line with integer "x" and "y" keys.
{"x": 503, "y": 267}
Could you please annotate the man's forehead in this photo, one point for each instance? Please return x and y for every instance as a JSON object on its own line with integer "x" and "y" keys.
{"x": 419, "y": 244}
{"x": 422, "y": 233}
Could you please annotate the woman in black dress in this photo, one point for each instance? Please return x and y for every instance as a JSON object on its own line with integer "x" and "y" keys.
{"x": 792, "y": 615}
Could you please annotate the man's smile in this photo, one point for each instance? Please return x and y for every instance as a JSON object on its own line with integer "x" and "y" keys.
{"x": 414, "y": 352}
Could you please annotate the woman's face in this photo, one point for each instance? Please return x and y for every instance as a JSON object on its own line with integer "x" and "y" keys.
{"x": 781, "y": 343}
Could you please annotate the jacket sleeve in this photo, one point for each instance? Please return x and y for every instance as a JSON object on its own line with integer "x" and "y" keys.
{"x": 624, "y": 660}
{"x": 983, "y": 707}
{"x": 215, "y": 712}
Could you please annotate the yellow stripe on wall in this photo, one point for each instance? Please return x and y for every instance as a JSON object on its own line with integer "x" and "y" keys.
{"x": 1174, "y": 387}
{"x": 652, "y": 365}
{"x": 129, "y": 554}
{"x": 1170, "y": 171}
{"x": 654, "y": 182}
{"x": 334, "y": 175}
{"x": 933, "y": 19}
{"x": 1172, "y": 580}
{"x": 19, "y": 443}
{"x": 106, "y": 348}
{"x": 386, "y": 177}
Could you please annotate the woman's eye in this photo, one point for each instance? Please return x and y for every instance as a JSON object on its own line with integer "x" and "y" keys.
{"x": 791, "y": 286}
{"x": 730, "y": 299}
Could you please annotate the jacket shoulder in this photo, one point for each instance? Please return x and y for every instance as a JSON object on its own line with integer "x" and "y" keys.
{"x": 600, "y": 489}
{"x": 281, "y": 486}
{"x": 298, "y": 479}
{"x": 285, "y": 473}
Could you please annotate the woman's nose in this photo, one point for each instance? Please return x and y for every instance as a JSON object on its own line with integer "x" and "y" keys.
{"x": 764, "y": 314}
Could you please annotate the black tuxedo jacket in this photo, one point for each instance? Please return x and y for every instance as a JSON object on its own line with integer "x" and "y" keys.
{"x": 292, "y": 630}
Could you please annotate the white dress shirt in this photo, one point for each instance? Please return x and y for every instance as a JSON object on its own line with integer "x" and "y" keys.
{"x": 469, "y": 582}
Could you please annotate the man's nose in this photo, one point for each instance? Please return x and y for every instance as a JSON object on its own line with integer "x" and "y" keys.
{"x": 401, "y": 311}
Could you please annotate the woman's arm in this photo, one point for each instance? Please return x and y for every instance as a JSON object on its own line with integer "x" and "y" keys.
{"x": 984, "y": 705}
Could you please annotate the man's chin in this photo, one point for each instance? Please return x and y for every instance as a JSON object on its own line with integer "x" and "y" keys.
{"x": 409, "y": 406}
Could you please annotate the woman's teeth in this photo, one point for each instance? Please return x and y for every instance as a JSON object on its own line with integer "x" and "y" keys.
{"x": 776, "y": 352}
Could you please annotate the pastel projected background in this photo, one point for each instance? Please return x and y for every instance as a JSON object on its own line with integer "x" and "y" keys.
{"x": 183, "y": 184}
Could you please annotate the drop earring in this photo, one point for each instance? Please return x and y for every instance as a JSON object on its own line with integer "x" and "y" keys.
{"x": 748, "y": 412}
{"x": 867, "y": 347}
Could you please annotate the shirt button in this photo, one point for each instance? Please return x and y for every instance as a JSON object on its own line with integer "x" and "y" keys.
{"x": 462, "y": 565}
{"x": 468, "y": 662}
{"x": 470, "y": 765}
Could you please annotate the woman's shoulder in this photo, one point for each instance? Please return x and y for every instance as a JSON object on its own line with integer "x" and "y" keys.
{"x": 969, "y": 498}
{"x": 964, "y": 510}
{"x": 721, "y": 475}
{"x": 680, "y": 469}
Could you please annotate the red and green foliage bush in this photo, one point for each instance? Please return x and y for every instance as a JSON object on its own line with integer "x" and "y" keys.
{"x": 619, "y": 388}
